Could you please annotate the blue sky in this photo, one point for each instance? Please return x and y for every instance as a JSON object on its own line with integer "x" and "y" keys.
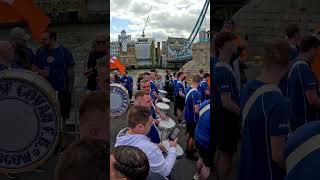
{"x": 167, "y": 18}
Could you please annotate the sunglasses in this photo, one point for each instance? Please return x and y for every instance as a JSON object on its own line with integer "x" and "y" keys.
{"x": 145, "y": 86}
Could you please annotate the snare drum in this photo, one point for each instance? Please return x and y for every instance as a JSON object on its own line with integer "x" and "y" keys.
{"x": 163, "y": 107}
{"x": 30, "y": 121}
{"x": 166, "y": 100}
{"x": 179, "y": 149}
{"x": 119, "y": 100}
{"x": 165, "y": 127}
{"x": 162, "y": 93}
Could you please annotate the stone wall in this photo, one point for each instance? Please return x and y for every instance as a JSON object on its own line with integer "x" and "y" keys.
{"x": 264, "y": 20}
{"x": 200, "y": 59}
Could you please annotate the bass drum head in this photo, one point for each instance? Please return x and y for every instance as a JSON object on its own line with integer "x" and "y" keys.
{"x": 119, "y": 100}
{"x": 30, "y": 121}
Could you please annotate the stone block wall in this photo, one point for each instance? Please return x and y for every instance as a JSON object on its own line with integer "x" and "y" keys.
{"x": 200, "y": 59}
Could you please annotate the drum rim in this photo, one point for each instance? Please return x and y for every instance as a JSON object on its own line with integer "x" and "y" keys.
{"x": 168, "y": 107}
{"x": 127, "y": 93}
{"x": 168, "y": 120}
{"x": 59, "y": 124}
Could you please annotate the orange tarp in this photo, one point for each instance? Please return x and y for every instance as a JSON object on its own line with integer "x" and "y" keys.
{"x": 115, "y": 64}
{"x": 25, "y": 11}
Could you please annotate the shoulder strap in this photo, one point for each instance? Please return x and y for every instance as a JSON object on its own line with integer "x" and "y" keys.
{"x": 219, "y": 64}
{"x": 260, "y": 91}
{"x": 204, "y": 109}
{"x": 188, "y": 94}
{"x": 294, "y": 65}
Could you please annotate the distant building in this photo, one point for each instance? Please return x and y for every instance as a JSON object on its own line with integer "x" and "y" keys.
{"x": 114, "y": 49}
{"x": 124, "y": 40}
{"x": 145, "y": 51}
{"x": 128, "y": 57}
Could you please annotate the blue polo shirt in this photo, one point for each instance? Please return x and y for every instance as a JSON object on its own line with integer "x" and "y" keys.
{"x": 175, "y": 82}
{"x": 223, "y": 82}
{"x": 153, "y": 88}
{"x": 203, "y": 87}
{"x": 294, "y": 53}
{"x": 301, "y": 80}
{"x": 203, "y": 132}
{"x": 268, "y": 116}
{"x": 127, "y": 82}
{"x": 58, "y": 68}
{"x": 179, "y": 87}
{"x": 192, "y": 100}
{"x": 153, "y": 133}
{"x": 306, "y": 166}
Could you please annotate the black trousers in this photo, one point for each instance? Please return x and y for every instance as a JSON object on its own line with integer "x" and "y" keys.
{"x": 65, "y": 104}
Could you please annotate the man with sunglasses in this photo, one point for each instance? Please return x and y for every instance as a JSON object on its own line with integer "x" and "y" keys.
{"x": 99, "y": 51}
{"x": 24, "y": 56}
{"x": 139, "y": 124}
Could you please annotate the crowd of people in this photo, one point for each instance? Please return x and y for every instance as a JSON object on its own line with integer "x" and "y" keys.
{"x": 191, "y": 100}
{"x": 271, "y": 120}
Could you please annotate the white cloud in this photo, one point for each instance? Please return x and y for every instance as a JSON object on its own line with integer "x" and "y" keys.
{"x": 167, "y": 18}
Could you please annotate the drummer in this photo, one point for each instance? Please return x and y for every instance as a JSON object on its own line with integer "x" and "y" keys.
{"x": 144, "y": 99}
{"x": 191, "y": 114}
{"x": 153, "y": 88}
{"x": 145, "y": 86}
{"x": 204, "y": 87}
{"x": 180, "y": 96}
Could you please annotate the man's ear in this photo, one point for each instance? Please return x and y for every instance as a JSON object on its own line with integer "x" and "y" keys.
{"x": 94, "y": 132}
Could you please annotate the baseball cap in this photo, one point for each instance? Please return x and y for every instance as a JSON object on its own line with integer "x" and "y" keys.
{"x": 19, "y": 34}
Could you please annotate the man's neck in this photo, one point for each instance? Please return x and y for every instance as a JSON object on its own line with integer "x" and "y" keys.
{"x": 54, "y": 45}
{"x": 131, "y": 132}
{"x": 269, "y": 76}
{"x": 225, "y": 57}
{"x": 304, "y": 57}
{"x": 194, "y": 86}
{"x": 292, "y": 43}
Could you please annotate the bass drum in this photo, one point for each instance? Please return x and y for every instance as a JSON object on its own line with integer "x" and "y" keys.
{"x": 30, "y": 121}
{"x": 119, "y": 100}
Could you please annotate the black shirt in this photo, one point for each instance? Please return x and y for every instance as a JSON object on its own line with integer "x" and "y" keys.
{"x": 92, "y": 63}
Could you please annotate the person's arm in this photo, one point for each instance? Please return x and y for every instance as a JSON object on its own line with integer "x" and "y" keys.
{"x": 71, "y": 77}
{"x": 279, "y": 129}
{"x": 228, "y": 103}
{"x": 309, "y": 83}
{"x": 197, "y": 102}
{"x": 161, "y": 165}
{"x": 313, "y": 98}
{"x": 70, "y": 65}
{"x": 277, "y": 146}
{"x": 207, "y": 92}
